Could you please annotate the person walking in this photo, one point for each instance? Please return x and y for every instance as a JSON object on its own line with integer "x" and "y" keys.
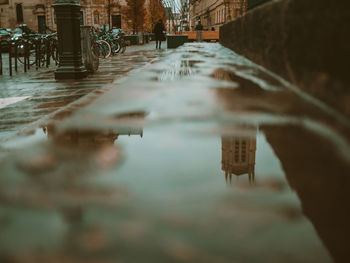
{"x": 158, "y": 32}
{"x": 199, "y": 26}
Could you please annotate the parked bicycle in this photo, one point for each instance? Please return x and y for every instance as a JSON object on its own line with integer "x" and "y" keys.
{"x": 117, "y": 36}
{"x": 36, "y": 48}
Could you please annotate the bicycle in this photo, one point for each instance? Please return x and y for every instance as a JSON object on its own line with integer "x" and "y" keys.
{"x": 100, "y": 47}
{"x": 37, "y": 49}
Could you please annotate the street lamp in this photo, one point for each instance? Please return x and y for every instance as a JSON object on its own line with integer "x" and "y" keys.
{"x": 109, "y": 14}
{"x": 68, "y": 32}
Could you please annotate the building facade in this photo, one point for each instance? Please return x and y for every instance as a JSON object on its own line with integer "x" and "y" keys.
{"x": 214, "y": 13}
{"x": 39, "y": 14}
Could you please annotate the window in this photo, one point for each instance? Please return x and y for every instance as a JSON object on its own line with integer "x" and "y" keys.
{"x": 19, "y": 13}
{"x": 96, "y": 17}
{"x": 117, "y": 21}
{"x": 41, "y": 24}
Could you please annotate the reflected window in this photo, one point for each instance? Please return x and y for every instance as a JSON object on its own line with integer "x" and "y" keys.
{"x": 244, "y": 150}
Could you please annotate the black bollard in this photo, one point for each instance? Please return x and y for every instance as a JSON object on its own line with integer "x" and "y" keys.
{"x": 47, "y": 47}
{"x": 16, "y": 57}
{"x": 1, "y": 44}
{"x": 37, "y": 62}
{"x": 70, "y": 64}
{"x": 27, "y": 55}
{"x": 10, "y": 60}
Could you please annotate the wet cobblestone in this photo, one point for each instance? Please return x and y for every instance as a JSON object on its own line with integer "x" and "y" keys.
{"x": 199, "y": 156}
{"x": 42, "y": 91}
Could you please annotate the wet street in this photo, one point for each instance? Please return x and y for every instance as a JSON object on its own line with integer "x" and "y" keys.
{"x": 192, "y": 155}
{"x": 28, "y": 97}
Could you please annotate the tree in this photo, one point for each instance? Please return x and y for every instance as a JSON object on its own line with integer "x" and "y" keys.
{"x": 156, "y": 11}
{"x": 135, "y": 13}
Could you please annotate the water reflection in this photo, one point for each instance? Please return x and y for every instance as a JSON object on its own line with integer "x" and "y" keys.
{"x": 179, "y": 69}
{"x": 238, "y": 157}
{"x": 312, "y": 165}
{"x": 89, "y": 138}
{"x": 320, "y": 177}
{"x": 166, "y": 183}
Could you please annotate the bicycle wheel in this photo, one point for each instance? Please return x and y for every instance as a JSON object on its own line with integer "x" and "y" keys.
{"x": 20, "y": 54}
{"x": 113, "y": 46}
{"x": 117, "y": 47}
{"x": 104, "y": 49}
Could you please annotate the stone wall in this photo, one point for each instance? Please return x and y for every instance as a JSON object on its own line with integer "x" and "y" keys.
{"x": 305, "y": 42}
{"x": 31, "y": 10}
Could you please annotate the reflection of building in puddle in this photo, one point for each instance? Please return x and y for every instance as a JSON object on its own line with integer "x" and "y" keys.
{"x": 238, "y": 157}
{"x": 97, "y": 137}
{"x": 179, "y": 70}
{"x": 89, "y": 138}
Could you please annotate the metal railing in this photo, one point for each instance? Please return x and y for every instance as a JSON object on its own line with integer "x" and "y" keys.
{"x": 28, "y": 51}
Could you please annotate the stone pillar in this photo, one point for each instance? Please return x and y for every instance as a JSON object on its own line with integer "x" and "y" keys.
{"x": 68, "y": 32}
{"x": 89, "y": 15}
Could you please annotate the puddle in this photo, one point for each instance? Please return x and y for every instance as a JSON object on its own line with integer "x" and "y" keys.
{"x": 178, "y": 70}
{"x": 4, "y": 102}
{"x": 252, "y": 180}
{"x": 206, "y": 165}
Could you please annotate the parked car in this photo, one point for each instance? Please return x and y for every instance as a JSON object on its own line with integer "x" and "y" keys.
{"x": 26, "y": 29}
{"x": 4, "y": 34}
{"x": 21, "y": 31}
{"x": 17, "y": 33}
{"x": 116, "y": 31}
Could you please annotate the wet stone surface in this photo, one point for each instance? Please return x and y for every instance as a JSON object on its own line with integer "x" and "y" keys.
{"x": 27, "y": 97}
{"x": 200, "y": 156}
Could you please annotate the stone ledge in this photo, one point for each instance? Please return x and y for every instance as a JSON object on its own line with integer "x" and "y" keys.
{"x": 305, "y": 42}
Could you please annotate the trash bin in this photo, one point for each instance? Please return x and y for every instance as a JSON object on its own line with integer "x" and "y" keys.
{"x": 174, "y": 41}
{"x": 133, "y": 39}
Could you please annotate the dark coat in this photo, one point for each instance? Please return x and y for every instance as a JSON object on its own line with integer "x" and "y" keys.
{"x": 199, "y": 27}
{"x": 158, "y": 30}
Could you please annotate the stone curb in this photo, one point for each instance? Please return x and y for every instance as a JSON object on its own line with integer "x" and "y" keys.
{"x": 305, "y": 42}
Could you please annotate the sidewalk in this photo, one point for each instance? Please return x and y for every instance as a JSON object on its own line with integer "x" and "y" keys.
{"x": 38, "y": 94}
{"x": 198, "y": 156}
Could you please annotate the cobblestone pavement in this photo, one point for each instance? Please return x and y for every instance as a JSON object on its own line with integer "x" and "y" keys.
{"x": 199, "y": 156}
{"x": 27, "y": 97}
